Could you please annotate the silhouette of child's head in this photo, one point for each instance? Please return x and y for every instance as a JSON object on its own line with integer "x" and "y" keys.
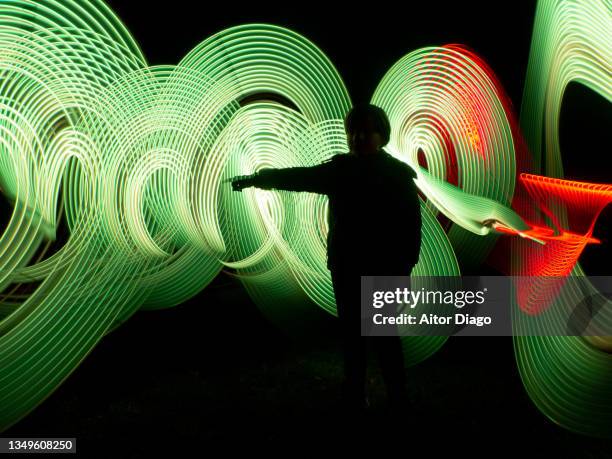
{"x": 367, "y": 128}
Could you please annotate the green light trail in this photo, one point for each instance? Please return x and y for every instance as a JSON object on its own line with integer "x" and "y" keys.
{"x": 134, "y": 158}
{"x": 568, "y": 378}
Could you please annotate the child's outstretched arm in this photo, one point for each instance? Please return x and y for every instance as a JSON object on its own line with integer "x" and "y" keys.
{"x": 313, "y": 179}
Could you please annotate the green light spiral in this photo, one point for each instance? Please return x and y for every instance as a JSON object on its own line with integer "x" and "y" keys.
{"x": 568, "y": 378}
{"x": 133, "y": 160}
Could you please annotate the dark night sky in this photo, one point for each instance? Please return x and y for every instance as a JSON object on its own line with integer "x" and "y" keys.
{"x": 362, "y": 40}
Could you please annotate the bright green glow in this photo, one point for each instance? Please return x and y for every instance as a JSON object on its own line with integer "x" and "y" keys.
{"x": 428, "y": 88}
{"x": 439, "y": 99}
{"x": 468, "y": 211}
{"x": 140, "y": 154}
{"x": 54, "y": 62}
{"x": 136, "y": 155}
{"x": 568, "y": 378}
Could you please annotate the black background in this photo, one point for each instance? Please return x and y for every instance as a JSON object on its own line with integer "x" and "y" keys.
{"x": 177, "y": 376}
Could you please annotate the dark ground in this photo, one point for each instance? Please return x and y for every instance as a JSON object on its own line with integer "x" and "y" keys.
{"x": 161, "y": 382}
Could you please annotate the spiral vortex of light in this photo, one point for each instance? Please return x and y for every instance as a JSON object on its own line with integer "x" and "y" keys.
{"x": 133, "y": 161}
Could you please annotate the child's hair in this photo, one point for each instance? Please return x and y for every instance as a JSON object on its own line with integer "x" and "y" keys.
{"x": 372, "y": 112}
